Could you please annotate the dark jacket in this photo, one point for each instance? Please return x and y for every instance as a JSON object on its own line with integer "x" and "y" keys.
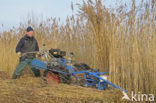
{"x": 27, "y": 44}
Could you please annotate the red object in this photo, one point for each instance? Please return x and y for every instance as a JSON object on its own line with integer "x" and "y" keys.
{"x": 52, "y": 78}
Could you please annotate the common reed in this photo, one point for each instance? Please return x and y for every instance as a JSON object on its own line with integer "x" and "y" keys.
{"x": 121, "y": 42}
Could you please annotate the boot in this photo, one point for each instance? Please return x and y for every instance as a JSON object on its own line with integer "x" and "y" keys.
{"x": 37, "y": 73}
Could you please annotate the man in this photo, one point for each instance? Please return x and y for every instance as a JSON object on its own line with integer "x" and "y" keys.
{"x": 26, "y": 45}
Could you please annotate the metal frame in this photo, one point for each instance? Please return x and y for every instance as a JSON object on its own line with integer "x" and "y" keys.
{"x": 91, "y": 78}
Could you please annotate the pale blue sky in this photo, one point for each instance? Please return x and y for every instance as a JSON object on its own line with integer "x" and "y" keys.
{"x": 15, "y": 11}
{"x": 12, "y": 12}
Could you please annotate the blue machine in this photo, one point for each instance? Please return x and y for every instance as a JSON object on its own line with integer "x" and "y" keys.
{"x": 90, "y": 78}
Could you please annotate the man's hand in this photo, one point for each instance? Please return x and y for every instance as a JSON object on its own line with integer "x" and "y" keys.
{"x": 38, "y": 54}
{"x": 19, "y": 54}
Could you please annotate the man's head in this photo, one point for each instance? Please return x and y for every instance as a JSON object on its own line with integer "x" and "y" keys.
{"x": 30, "y": 31}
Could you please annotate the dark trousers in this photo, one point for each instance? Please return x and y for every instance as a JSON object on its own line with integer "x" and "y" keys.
{"x": 22, "y": 65}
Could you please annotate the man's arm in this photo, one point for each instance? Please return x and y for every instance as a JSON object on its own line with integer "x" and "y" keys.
{"x": 19, "y": 45}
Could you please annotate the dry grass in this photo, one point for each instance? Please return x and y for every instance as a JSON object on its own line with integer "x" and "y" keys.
{"x": 120, "y": 42}
{"x": 33, "y": 90}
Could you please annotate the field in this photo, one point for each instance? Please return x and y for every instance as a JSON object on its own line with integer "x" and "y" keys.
{"x": 121, "y": 42}
{"x": 32, "y": 90}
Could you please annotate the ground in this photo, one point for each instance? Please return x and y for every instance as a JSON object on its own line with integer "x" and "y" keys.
{"x": 28, "y": 89}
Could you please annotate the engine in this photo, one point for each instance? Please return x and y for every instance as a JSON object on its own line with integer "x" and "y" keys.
{"x": 57, "y": 53}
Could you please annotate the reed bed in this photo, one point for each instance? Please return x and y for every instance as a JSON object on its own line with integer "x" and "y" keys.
{"x": 120, "y": 42}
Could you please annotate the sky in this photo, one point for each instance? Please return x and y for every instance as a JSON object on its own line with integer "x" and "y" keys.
{"x": 12, "y": 12}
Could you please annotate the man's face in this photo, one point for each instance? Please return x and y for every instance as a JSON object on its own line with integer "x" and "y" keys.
{"x": 30, "y": 33}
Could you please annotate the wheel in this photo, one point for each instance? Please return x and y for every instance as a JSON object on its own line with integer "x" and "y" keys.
{"x": 51, "y": 77}
{"x": 59, "y": 76}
